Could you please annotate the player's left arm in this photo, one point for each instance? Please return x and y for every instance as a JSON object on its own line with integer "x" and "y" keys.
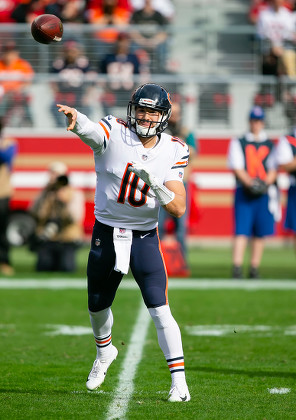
{"x": 177, "y": 206}
{"x": 171, "y": 194}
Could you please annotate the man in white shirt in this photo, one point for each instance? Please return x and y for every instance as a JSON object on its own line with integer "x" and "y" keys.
{"x": 276, "y": 31}
{"x": 139, "y": 168}
{"x": 252, "y": 160}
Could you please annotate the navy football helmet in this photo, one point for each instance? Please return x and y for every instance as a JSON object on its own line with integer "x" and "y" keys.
{"x": 151, "y": 96}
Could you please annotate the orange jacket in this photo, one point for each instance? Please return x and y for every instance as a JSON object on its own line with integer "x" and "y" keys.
{"x": 19, "y": 67}
{"x": 120, "y": 17}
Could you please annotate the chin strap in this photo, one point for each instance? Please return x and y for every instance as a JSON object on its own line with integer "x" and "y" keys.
{"x": 163, "y": 194}
{"x": 143, "y": 131}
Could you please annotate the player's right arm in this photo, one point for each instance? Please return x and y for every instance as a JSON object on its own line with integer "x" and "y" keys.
{"x": 95, "y": 135}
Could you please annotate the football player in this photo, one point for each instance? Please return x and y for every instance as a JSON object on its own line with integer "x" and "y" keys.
{"x": 286, "y": 158}
{"x": 139, "y": 168}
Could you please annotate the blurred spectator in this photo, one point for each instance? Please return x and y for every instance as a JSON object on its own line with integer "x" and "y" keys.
{"x": 71, "y": 66}
{"x": 26, "y": 11}
{"x": 72, "y": 11}
{"x": 276, "y": 32}
{"x": 286, "y": 158}
{"x": 108, "y": 13}
{"x": 176, "y": 129}
{"x": 252, "y": 160}
{"x": 120, "y": 67}
{"x": 151, "y": 34}
{"x": 124, "y": 4}
{"x": 67, "y": 10}
{"x": 17, "y": 76}
{"x": 59, "y": 211}
{"x": 165, "y": 7}
{"x": 258, "y": 5}
{"x": 255, "y": 8}
{"x": 288, "y": 100}
{"x": 8, "y": 150}
{"x": 6, "y": 9}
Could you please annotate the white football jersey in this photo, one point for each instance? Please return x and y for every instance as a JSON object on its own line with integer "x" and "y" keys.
{"x": 122, "y": 199}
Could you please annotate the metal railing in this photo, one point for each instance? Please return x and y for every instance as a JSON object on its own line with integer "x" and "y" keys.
{"x": 214, "y": 49}
{"x": 219, "y": 100}
{"x": 208, "y": 103}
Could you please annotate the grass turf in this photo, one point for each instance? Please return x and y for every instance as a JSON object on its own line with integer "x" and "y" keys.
{"x": 43, "y": 376}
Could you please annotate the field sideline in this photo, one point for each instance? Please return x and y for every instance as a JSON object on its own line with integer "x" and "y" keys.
{"x": 181, "y": 284}
{"x": 205, "y": 263}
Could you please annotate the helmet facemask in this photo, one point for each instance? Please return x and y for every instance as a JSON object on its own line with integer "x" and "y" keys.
{"x": 154, "y": 128}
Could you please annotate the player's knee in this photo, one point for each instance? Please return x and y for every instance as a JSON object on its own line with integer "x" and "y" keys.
{"x": 162, "y": 316}
{"x": 96, "y": 302}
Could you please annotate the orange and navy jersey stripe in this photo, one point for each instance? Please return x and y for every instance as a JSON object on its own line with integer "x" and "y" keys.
{"x": 180, "y": 141}
{"x": 176, "y": 364}
{"x": 104, "y": 341}
{"x": 182, "y": 163}
{"x": 106, "y": 126}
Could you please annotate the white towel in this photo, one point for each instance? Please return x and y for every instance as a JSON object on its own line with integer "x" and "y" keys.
{"x": 122, "y": 239}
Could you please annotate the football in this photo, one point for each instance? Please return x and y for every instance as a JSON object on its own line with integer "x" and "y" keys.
{"x": 47, "y": 29}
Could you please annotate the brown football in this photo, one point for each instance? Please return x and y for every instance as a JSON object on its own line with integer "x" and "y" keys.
{"x": 47, "y": 29}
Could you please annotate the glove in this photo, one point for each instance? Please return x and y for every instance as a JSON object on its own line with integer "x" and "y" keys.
{"x": 257, "y": 188}
{"x": 163, "y": 194}
{"x": 142, "y": 173}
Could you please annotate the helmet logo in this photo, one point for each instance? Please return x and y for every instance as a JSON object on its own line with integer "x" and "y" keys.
{"x": 147, "y": 101}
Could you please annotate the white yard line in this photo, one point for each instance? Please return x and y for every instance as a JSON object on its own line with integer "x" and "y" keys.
{"x": 188, "y": 284}
{"x": 125, "y": 387}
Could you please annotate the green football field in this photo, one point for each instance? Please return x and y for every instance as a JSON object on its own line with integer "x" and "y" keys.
{"x": 238, "y": 336}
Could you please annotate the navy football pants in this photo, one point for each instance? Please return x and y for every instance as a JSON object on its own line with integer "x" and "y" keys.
{"x": 146, "y": 264}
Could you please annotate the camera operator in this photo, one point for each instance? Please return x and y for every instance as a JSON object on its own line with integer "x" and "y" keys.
{"x": 59, "y": 212}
